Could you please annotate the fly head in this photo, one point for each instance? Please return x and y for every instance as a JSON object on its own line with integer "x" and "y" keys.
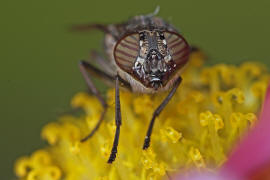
{"x": 152, "y": 56}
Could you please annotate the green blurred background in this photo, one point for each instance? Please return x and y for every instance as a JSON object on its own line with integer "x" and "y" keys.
{"x": 39, "y": 56}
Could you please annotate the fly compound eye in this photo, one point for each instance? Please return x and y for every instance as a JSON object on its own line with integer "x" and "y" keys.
{"x": 126, "y": 52}
{"x": 178, "y": 49}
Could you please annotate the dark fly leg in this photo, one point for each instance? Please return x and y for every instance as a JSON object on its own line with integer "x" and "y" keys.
{"x": 88, "y": 70}
{"x": 118, "y": 121}
{"x": 84, "y": 68}
{"x": 103, "y": 76}
{"x": 158, "y": 111}
{"x": 113, "y": 29}
{"x": 89, "y": 27}
{"x": 103, "y": 63}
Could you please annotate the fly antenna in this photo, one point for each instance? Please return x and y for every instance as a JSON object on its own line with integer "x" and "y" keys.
{"x": 155, "y": 12}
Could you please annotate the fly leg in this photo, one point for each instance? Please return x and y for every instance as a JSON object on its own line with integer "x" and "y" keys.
{"x": 88, "y": 70}
{"x": 89, "y": 27}
{"x": 108, "y": 29}
{"x": 103, "y": 63}
{"x": 118, "y": 121}
{"x": 84, "y": 66}
{"x": 158, "y": 111}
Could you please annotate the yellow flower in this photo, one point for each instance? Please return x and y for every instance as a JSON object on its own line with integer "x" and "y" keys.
{"x": 210, "y": 111}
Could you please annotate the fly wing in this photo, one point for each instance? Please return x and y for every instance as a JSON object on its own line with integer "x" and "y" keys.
{"x": 178, "y": 47}
{"x": 126, "y": 51}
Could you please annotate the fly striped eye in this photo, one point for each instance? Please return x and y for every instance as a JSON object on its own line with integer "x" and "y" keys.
{"x": 178, "y": 48}
{"x": 126, "y": 51}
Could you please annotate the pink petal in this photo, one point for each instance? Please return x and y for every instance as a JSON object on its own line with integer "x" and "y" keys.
{"x": 200, "y": 176}
{"x": 254, "y": 151}
{"x": 204, "y": 176}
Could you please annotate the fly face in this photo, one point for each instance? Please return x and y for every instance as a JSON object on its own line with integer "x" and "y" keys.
{"x": 152, "y": 56}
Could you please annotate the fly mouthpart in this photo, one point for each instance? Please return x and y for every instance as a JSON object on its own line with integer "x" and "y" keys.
{"x": 155, "y": 82}
{"x": 156, "y": 85}
{"x": 155, "y": 79}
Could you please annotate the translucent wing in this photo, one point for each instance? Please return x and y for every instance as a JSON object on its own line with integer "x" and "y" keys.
{"x": 178, "y": 47}
{"x": 126, "y": 51}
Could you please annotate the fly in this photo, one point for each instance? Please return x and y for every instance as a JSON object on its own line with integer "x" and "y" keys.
{"x": 144, "y": 55}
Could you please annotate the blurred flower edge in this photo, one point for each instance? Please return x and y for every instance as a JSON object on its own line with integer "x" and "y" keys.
{"x": 251, "y": 157}
{"x": 211, "y": 112}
